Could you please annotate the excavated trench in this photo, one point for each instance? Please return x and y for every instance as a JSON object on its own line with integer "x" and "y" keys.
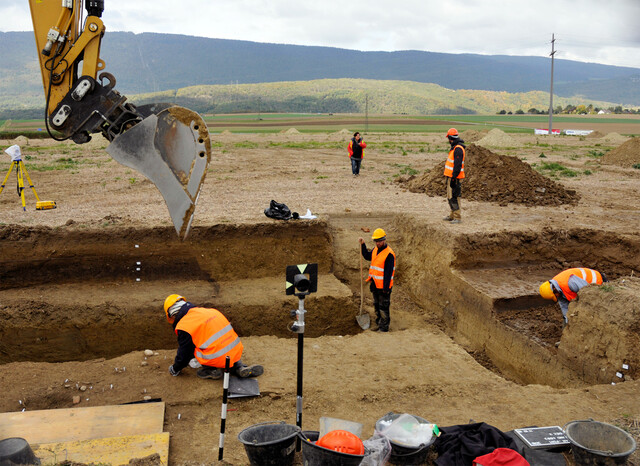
{"x": 80, "y": 295}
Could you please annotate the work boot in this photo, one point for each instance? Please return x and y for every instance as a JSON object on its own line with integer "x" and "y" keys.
{"x": 447, "y": 219}
{"x": 210, "y": 373}
{"x": 249, "y": 371}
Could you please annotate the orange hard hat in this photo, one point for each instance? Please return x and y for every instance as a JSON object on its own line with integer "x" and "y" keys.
{"x": 452, "y": 133}
{"x": 342, "y": 441}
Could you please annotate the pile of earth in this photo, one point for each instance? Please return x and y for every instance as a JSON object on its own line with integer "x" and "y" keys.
{"x": 472, "y": 135}
{"x": 497, "y": 138}
{"x": 491, "y": 177}
{"x": 625, "y": 155}
{"x": 614, "y": 138}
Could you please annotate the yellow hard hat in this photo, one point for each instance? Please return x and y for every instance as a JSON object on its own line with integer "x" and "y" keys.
{"x": 170, "y": 301}
{"x": 378, "y": 234}
{"x": 546, "y": 291}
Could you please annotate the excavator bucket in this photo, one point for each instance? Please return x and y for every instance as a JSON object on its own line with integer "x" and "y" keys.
{"x": 171, "y": 147}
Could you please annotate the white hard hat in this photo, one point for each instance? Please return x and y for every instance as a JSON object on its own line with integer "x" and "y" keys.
{"x": 14, "y": 152}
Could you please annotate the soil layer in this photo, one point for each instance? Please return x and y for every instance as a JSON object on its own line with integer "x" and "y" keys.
{"x": 468, "y": 339}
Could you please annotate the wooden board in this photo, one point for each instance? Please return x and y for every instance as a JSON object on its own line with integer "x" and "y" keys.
{"x": 75, "y": 424}
{"x": 112, "y": 450}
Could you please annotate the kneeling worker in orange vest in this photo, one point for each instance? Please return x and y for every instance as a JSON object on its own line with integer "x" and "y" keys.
{"x": 208, "y": 336}
{"x": 564, "y": 287}
{"x": 381, "y": 272}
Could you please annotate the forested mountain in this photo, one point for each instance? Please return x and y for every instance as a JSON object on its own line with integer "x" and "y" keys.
{"x": 150, "y": 62}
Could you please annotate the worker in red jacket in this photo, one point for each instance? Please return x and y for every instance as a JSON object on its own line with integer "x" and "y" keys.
{"x": 356, "y": 152}
{"x": 206, "y": 335}
{"x": 564, "y": 287}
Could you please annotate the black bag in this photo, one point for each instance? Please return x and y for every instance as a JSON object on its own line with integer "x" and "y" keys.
{"x": 279, "y": 211}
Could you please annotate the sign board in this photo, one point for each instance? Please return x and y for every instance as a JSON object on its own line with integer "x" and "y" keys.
{"x": 578, "y": 132}
{"x": 546, "y": 131}
{"x": 542, "y": 437}
{"x": 239, "y": 388}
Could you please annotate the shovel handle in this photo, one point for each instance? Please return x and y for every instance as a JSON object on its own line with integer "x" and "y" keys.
{"x": 361, "y": 281}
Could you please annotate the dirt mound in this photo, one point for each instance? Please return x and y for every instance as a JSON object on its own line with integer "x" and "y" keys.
{"x": 625, "y": 155}
{"x": 21, "y": 141}
{"x": 472, "y": 135}
{"x": 495, "y": 178}
{"x": 614, "y": 138}
{"x": 594, "y": 135}
{"x": 497, "y": 138}
{"x": 291, "y": 131}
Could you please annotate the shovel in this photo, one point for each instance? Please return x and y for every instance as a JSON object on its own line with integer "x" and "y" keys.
{"x": 363, "y": 318}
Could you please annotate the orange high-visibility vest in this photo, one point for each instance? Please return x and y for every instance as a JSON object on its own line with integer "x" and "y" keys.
{"x": 448, "y": 166}
{"x": 589, "y": 275}
{"x": 376, "y": 269}
{"x": 213, "y": 336}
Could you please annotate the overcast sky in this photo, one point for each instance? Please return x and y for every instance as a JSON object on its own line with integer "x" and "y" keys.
{"x": 599, "y": 31}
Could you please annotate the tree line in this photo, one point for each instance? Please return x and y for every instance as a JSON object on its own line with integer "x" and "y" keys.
{"x": 574, "y": 110}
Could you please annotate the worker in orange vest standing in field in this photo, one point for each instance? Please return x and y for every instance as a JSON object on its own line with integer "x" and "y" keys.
{"x": 381, "y": 272}
{"x": 206, "y": 335}
{"x": 356, "y": 152}
{"x": 564, "y": 287}
{"x": 453, "y": 173}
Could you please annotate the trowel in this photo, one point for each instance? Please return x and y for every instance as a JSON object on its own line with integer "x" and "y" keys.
{"x": 363, "y": 318}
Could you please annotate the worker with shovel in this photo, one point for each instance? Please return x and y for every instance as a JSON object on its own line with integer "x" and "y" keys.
{"x": 564, "y": 287}
{"x": 207, "y": 335}
{"x": 381, "y": 272}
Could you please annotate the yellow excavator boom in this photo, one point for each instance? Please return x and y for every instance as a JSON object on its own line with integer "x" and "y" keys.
{"x": 168, "y": 144}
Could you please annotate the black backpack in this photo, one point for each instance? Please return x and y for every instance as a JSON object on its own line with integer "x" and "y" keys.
{"x": 279, "y": 211}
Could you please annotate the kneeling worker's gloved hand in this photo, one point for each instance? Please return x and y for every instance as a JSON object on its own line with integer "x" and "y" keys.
{"x": 173, "y": 372}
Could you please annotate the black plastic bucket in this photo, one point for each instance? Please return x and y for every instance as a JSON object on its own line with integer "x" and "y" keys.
{"x": 270, "y": 443}
{"x": 313, "y": 455}
{"x": 402, "y": 454}
{"x": 595, "y": 443}
{"x": 16, "y": 450}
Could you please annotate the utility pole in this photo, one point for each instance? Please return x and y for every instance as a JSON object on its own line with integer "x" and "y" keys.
{"x": 366, "y": 113}
{"x": 553, "y": 52}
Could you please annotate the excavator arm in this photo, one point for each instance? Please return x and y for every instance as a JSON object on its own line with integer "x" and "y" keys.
{"x": 168, "y": 144}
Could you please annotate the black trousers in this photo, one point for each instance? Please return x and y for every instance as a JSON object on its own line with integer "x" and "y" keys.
{"x": 454, "y": 193}
{"x": 381, "y": 304}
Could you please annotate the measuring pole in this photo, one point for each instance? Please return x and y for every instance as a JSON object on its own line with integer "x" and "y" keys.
{"x": 553, "y": 52}
{"x": 223, "y": 420}
{"x": 300, "y": 329}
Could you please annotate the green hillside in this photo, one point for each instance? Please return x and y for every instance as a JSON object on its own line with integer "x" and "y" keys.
{"x": 355, "y": 96}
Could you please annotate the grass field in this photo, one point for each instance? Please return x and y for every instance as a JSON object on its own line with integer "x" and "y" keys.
{"x": 322, "y": 123}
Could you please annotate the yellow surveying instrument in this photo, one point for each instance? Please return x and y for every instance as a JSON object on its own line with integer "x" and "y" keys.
{"x": 21, "y": 172}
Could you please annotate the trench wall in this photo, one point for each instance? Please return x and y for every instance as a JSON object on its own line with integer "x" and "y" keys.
{"x": 78, "y": 295}
{"x": 430, "y": 259}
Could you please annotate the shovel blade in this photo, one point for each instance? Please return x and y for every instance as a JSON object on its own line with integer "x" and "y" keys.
{"x": 171, "y": 147}
{"x": 364, "y": 321}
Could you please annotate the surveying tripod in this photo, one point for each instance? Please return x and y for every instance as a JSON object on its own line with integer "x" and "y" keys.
{"x": 21, "y": 172}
